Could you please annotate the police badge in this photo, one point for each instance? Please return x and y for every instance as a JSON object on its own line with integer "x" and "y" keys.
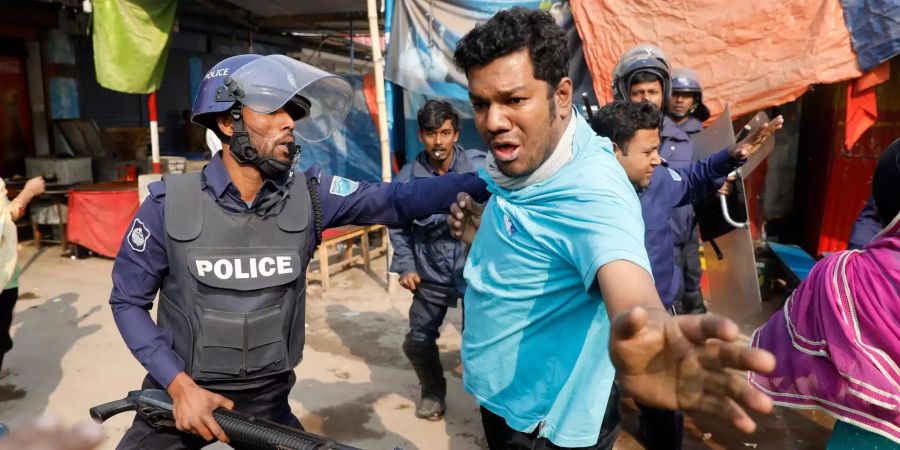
{"x": 138, "y": 236}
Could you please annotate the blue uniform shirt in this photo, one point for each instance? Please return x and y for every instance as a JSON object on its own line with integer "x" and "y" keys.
{"x": 141, "y": 266}
{"x": 867, "y": 225}
{"x": 670, "y": 188}
{"x": 677, "y": 149}
{"x": 536, "y": 339}
{"x": 425, "y": 246}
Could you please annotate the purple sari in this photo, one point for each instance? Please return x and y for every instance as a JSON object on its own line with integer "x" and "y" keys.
{"x": 837, "y": 340}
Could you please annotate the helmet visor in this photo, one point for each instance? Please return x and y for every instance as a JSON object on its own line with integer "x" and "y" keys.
{"x": 267, "y": 84}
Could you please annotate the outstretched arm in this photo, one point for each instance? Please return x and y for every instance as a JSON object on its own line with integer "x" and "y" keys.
{"x": 347, "y": 202}
{"x": 689, "y": 362}
{"x": 32, "y": 189}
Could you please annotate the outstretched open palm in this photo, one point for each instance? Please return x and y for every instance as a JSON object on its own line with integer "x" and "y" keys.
{"x": 688, "y": 362}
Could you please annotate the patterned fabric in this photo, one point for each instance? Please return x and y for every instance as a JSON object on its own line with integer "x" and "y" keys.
{"x": 837, "y": 340}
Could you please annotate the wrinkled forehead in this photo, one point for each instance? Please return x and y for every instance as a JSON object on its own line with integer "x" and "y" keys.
{"x": 503, "y": 76}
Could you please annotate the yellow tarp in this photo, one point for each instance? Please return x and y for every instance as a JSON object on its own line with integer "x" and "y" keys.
{"x": 751, "y": 54}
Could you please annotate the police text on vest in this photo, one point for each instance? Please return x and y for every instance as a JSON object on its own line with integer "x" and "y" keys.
{"x": 237, "y": 268}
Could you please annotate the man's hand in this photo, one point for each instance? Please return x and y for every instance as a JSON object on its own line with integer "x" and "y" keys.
{"x": 34, "y": 187}
{"x": 410, "y": 281}
{"x": 728, "y": 187}
{"x": 465, "y": 218}
{"x": 48, "y": 433}
{"x": 688, "y": 362}
{"x": 750, "y": 144}
{"x": 192, "y": 407}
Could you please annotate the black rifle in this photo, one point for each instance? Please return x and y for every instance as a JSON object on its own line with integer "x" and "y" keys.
{"x": 155, "y": 406}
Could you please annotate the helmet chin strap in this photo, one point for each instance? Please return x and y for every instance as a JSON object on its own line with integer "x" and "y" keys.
{"x": 242, "y": 150}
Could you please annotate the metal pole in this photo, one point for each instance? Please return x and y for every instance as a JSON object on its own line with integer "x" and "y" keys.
{"x": 154, "y": 131}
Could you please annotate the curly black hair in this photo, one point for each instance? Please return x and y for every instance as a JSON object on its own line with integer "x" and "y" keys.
{"x": 620, "y": 120}
{"x": 512, "y": 30}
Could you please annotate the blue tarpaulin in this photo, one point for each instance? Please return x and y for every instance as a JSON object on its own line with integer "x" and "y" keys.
{"x": 874, "y": 30}
{"x": 424, "y": 34}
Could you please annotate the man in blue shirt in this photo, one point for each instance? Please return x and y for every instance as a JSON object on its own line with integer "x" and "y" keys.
{"x": 427, "y": 258}
{"x": 227, "y": 249}
{"x": 634, "y": 130}
{"x": 560, "y": 299}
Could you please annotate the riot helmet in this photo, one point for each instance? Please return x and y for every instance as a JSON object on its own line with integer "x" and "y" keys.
{"x": 686, "y": 80}
{"x": 317, "y": 100}
{"x": 642, "y": 58}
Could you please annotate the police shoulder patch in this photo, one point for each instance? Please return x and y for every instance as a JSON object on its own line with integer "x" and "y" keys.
{"x": 342, "y": 186}
{"x": 138, "y": 236}
{"x": 675, "y": 175}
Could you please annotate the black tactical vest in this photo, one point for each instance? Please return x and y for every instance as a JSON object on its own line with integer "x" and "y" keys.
{"x": 235, "y": 296}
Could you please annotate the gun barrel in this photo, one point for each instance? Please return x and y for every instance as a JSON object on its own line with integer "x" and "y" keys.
{"x": 269, "y": 435}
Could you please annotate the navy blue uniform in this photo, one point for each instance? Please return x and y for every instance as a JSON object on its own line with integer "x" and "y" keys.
{"x": 676, "y": 148}
{"x": 142, "y": 263}
{"x": 425, "y": 246}
{"x": 669, "y": 189}
{"x": 867, "y": 225}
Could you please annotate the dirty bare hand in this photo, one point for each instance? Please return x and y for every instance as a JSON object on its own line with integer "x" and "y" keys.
{"x": 410, "y": 281}
{"x": 465, "y": 217}
{"x": 750, "y": 144}
{"x": 49, "y": 433}
{"x": 192, "y": 407}
{"x": 688, "y": 362}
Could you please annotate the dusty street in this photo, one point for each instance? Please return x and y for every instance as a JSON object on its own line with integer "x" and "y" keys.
{"x": 354, "y": 384}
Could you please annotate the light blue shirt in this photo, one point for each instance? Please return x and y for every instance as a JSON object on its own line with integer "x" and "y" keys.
{"x": 535, "y": 345}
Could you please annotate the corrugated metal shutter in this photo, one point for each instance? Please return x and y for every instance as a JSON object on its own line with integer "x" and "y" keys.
{"x": 173, "y": 98}
{"x": 108, "y": 108}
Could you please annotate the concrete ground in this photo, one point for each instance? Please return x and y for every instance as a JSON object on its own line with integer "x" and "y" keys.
{"x": 354, "y": 384}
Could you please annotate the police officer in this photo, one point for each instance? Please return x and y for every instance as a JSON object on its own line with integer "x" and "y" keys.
{"x": 686, "y": 106}
{"x": 633, "y": 128}
{"x": 429, "y": 260}
{"x": 227, "y": 248}
{"x": 642, "y": 75}
{"x": 687, "y": 111}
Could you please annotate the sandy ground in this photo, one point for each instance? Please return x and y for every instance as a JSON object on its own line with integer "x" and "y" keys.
{"x": 354, "y": 384}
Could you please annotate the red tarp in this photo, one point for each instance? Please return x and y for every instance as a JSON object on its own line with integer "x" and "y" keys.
{"x": 99, "y": 219}
{"x": 750, "y": 54}
{"x": 862, "y": 105}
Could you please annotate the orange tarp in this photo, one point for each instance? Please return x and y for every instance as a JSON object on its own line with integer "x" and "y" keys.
{"x": 751, "y": 54}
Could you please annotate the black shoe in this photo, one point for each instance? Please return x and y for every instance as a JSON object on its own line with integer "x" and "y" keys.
{"x": 431, "y": 408}
{"x": 426, "y": 361}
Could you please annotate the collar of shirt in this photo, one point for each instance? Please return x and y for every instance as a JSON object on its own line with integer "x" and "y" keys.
{"x": 673, "y": 132}
{"x": 423, "y": 169}
{"x": 217, "y": 182}
{"x": 691, "y": 126}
